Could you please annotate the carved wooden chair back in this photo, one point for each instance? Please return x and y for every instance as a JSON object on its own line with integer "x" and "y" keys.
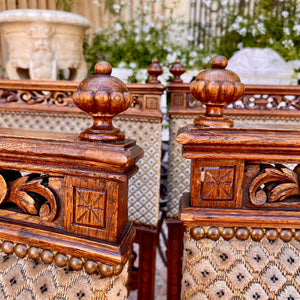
{"x": 273, "y": 106}
{"x": 64, "y": 216}
{"x": 48, "y": 106}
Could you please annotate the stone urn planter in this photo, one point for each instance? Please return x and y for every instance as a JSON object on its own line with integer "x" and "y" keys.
{"x": 42, "y": 44}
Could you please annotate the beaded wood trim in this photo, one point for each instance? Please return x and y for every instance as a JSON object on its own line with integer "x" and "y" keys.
{"x": 61, "y": 260}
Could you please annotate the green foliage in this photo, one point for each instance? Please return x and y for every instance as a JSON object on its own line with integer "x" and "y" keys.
{"x": 133, "y": 44}
{"x": 274, "y": 24}
{"x": 65, "y": 5}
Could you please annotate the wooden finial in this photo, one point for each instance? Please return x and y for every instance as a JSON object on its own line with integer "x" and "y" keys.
{"x": 216, "y": 88}
{"x": 102, "y": 96}
{"x": 177, "y": 69}
{"x": 154, "y": 70}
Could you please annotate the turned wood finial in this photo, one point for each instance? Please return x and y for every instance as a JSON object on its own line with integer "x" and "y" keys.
{"x": 177, "y": 69}
{"x": 154, "y": 70}
{"x": 102, "y": 96}
{"x": 216, "y": 88}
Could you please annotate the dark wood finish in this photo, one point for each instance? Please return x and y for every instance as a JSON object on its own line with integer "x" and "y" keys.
{"x": 216, "y": 88}
{"x": 154, "y": 70}
{"x": 174, "y": 258}
{"x": 240, "y": 184}
{"x": 147, "y": 240}
{"x": 74, "y": 200}
{"x": 56, "y": 97}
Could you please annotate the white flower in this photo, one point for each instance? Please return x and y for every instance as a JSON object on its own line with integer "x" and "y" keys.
{"x": 285, "y": 13}
{"x": 96, "y": 2}
{"x": 141, "y": 75}
{"x": 190, "y": 38}
{"x": 122, "y": 64}
{"x": 288, "y": 44}
{"x": 261, "y": 28}
{"x": 253, "y": 31}
{"x": 271, "y": 41}
{"x": 206, "y": 59}
{"x": 201, "y": 46}
{"x": 146, "y": 28}
{"x": 297, "y": 29}
{"x": 117, "y": 8}
{"x": 239, "y": 19}
{"x": 148, "y": 38}
{"x": 240, "y": 45}
{"x": 118, "y": 26}
{"x": 286, "y": 31}
{"x": 193, "y": 54}
{"x": 242, "y": 31}
{"x": 98, "y": 30}
{"x": 161, "y": 17}
{"x": 137, "y": 30}
{"x": 132, "y": 65}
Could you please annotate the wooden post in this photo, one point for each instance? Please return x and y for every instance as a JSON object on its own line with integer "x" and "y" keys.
{"x": 71, "y": 207}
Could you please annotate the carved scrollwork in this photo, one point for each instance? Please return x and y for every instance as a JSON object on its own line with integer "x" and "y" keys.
{"x": 30, "y": 193}
{"x": 38, "y": 97}
{"x": 273, "y": 184}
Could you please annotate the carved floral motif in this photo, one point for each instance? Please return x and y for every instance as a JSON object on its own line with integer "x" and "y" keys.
{"x": 30, "y": 193}
{"x": 272, "y": 184}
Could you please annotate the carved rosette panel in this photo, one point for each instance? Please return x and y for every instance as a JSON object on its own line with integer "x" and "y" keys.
{"x": 216, "y": 185}
{"x": 270, "y": 184}
{"x": 29, "y": 193}
{"x": 90, "y": 208}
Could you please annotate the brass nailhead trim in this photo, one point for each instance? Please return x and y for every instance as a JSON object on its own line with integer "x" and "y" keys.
{"x": 242, "y": 233}
{"x": 61, "y": 260}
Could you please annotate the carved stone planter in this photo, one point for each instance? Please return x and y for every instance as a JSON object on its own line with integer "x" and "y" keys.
{"x": 42, "y": 44}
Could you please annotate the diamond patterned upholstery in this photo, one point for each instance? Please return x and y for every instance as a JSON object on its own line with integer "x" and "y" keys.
{"x": 25, "y": 279}
{"x": 238, "y": 269}
{"x": 143, "y": 186}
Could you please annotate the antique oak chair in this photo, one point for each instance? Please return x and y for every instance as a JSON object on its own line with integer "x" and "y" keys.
{"x": 64, "y": 223}
{"x": 241, "y": 218}
{"x": 264, "y": 104}
{"x": 42, "y": 105}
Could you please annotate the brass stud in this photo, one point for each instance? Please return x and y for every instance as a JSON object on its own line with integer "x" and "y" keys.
{"x": 33, "y": 253}
{"x": 197, "y": 233}
{"x": 61, "y": 260}
{"x": 106, "y": 270}
{"x": 20, "y": 250}
{"x": 118, "y": 269}
{"x": 297, "y": 235}
{"x": 213, "y": 233}
{"x": 47, "y": 256}
{"x": 286, "y": 235}
{"x": 257, "y": 234}
{"x": 8, "y": 247}
{"x": 227, "y": 233}
{"x": 90, "y": 266}
{"x": 76, "y": 264}
{"x": 242, "y": 234}
{"x": 272, "y": 234}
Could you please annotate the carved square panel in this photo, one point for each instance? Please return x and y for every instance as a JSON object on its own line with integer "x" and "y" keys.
{"x": 218, "y": 183}
{"x": 90, "y": 207}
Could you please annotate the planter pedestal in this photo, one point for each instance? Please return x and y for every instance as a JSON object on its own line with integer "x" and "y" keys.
{"x": 42, "y": 44}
